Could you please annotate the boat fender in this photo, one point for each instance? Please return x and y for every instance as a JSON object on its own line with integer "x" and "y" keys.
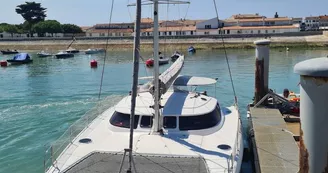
{"x": 93, "y": 63}
{"x": 3, "y": 63}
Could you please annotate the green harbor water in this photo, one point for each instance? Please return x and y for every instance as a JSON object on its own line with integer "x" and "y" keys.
{"x": 39, "y": 101}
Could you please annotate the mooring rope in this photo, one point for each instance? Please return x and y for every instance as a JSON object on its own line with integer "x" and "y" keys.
{"x": 107, "y": 40}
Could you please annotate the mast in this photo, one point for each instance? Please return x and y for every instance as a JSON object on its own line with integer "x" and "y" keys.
{"x": 156, "y": 122}
{"x": 135, "y": 77}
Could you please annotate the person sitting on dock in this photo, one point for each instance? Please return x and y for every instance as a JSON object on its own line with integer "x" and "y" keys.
{"x": 286, "y": 93}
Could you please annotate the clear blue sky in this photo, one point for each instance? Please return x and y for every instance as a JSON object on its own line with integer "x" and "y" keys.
{"x": 90, "y": 12}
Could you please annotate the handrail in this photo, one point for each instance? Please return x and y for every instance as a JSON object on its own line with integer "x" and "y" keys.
{"x": 236, "y": 145}
{"x": 59, "y": 145}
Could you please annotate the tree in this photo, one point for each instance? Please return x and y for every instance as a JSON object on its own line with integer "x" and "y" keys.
{"x": 20, "y": 28}
{"x": 32, "y": 12}
{"x": 71, "y": 28}
{"x": 12, "y": 29}
{"x": 52, "y": 26}
{"x": 39, "y": 29}
{"x": 276, "y": 15}
{"x": 48, "y": 26}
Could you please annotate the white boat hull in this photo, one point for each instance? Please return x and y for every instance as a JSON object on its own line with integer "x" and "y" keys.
{"x": 195, "y": 143}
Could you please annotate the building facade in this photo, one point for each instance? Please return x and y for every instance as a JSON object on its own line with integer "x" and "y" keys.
{"x": 240, "y": 24}
{"x": 323, "y": 22}
{"x": 312, "y": 23}
{"x": 250, "y": 24}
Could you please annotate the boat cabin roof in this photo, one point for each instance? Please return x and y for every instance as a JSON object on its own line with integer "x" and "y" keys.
{"x": 181, "y": 103}
{"x": 184, "y": 80}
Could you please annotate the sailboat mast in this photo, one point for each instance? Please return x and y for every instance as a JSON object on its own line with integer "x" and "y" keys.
{"x": 157, "y": 122}
{"x": 135, "y": 75}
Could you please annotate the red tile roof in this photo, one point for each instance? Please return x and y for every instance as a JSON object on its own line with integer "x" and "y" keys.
{"x": 323, "y": 17}
{"x": 259, "y": 27}
{"x": 164, "y": 29}
{"x": 311, "y": 17}
{"x": 110, "y": 31}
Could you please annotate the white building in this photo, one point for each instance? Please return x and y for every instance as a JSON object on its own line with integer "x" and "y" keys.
{"x": 109, "y": 33}
{"x": 323, "y": 22}
{"x": 208, "y": 24}
{"x": 251, "y": 30}
{"x": 312, "y": 23}
{"x": 6, "y": 35}
{"x": 248, "y": 24}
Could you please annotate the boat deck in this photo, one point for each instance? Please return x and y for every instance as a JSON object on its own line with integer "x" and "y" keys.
{"x": 78, "y": 156}
{"x": 274, "y": 146}
{"x": 101, "y": 162}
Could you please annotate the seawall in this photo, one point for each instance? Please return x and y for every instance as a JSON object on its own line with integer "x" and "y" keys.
{"x": 180, "y": 44}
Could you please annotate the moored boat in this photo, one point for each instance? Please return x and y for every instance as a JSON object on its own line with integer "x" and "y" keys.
{"x": 94, "y": 51}
{"x": 175, "y": 56}
{"x": 43, "y": 54}
{"x": 191, "y": 49}
{"x": 63, "y": 55}
{"x": 8, "y": 52}
{"x": 72, "y": 50}
{"x": 150, "y": 62}
{"x": 159, "y": 126}
{"x": 21, "y": 58}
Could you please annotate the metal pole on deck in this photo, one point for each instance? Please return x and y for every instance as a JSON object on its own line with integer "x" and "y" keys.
{"x": 314, "y": 115}
{"x": 261, "y": 69}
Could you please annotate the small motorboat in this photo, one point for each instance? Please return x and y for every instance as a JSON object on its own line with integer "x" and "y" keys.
{"x": 21, "y": 58}
{"x": 72, "y": 50}
{"x": 94, "y": 51}
{"x": 175, "y": 56}
{"x": 191, "y": 49}
{"x": 161, "y": 61}
{"x": 63, "y": 55}
{"x": 8, "y": 52}
{"x": 43, "y": 54}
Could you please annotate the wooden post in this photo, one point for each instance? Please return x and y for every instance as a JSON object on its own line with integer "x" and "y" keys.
{"x": 313, "y": 156}
{"x": 261, "y": 69}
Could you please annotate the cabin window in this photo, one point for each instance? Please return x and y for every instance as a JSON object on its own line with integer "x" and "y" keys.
{"x": 170, "y": 122}
{"x": 170, "y": 33}
{"x": 123, "y": 120}
{"x": 273, "y": 31}
{"x": 201, "y": 121}
{"x": 228, "y": 31}
{"x": 146, "y": 122}
{"x": 191, "y": 32}
{"x": 251, "y": 31}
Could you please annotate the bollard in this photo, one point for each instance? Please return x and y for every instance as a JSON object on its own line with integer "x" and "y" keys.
{"x": 314, "y": 115}
{"x": 261, "y": 69}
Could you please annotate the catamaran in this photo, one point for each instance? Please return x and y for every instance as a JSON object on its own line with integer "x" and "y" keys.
{"x": 159, "y": 127}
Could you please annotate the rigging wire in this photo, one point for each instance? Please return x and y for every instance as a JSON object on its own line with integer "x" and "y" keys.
{"x": 107, "y": 40}
{"x": 226, "y": 56}
{"x": 130, "y": 12}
